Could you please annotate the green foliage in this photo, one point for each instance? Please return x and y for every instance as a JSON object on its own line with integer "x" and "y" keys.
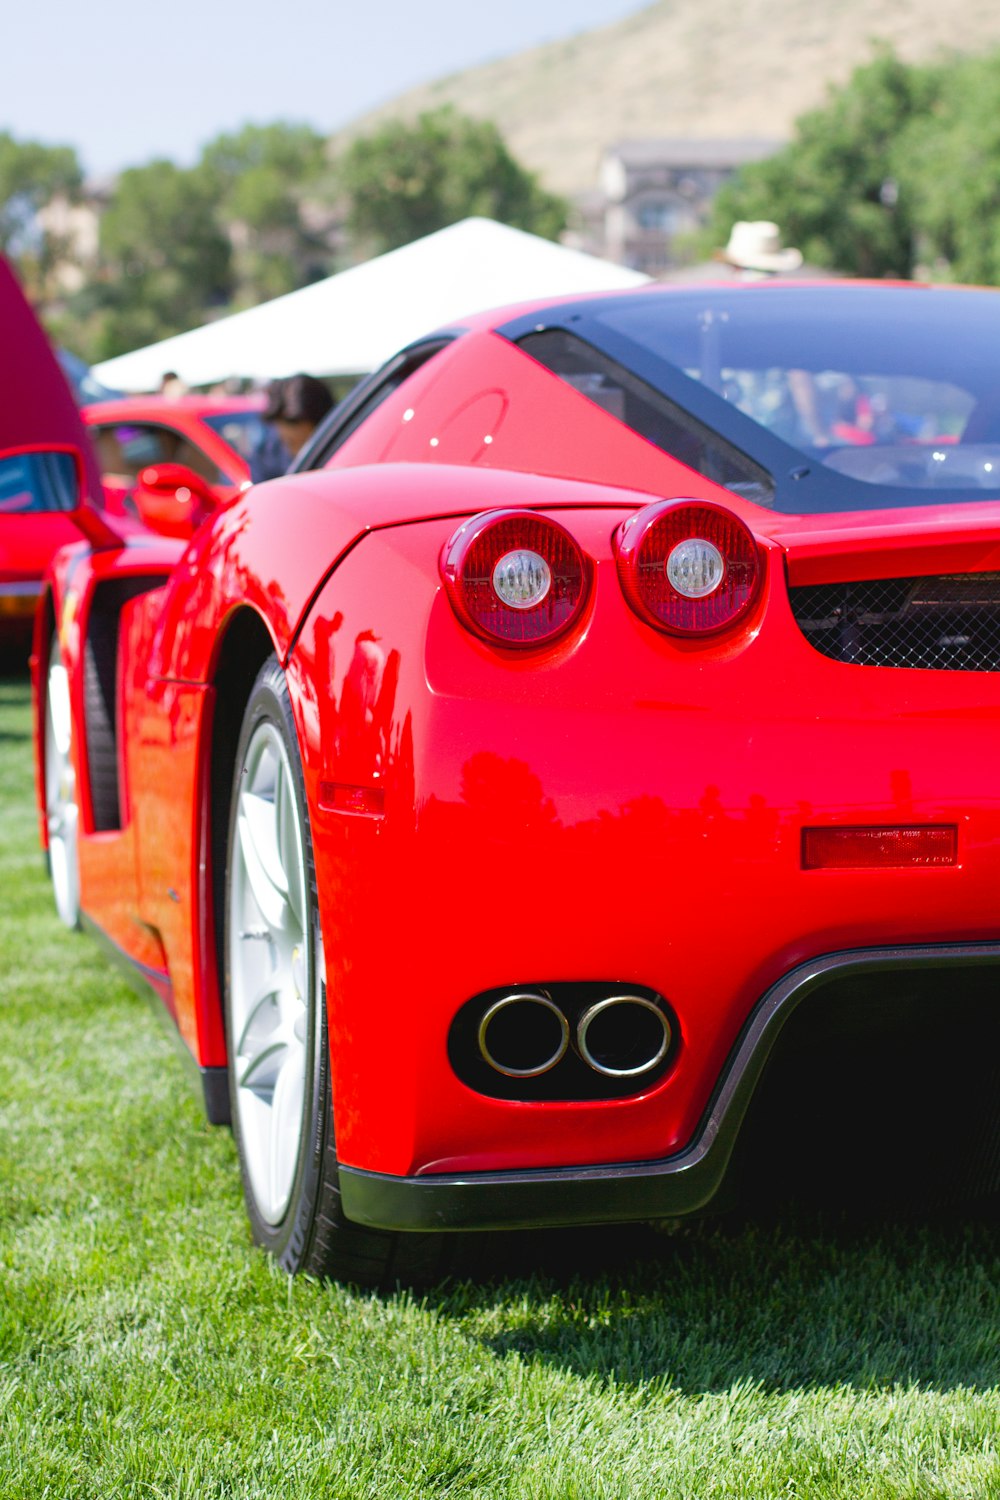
{"x": 953, "y": 173}
{"x": 177, "y": 244}
{"x": 31, "y": 175}
{"x": 254, "y": 218}
{"x": 841, "y": 191}
{"x": 264, "y": 180}
{"x": 409, "y": 179}
{"x": 898, "y": 175}
{"x": 164, "y": 258}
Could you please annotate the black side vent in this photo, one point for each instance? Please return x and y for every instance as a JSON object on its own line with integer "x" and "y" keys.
{"x": 100, "y": 687}
{"x": 950, "y": 623}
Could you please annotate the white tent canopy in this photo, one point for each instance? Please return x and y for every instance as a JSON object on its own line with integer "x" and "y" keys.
{"x": 351, "y": 322}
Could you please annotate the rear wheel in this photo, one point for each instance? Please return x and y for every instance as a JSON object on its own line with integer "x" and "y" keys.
{"x": 61, "y": 810}
{"x": 275, "y": 1001}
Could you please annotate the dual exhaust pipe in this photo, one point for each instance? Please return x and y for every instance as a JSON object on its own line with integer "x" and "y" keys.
{"x": 525, "y": 1034}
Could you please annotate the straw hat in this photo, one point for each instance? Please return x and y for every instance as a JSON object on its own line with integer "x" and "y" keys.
{"x": 755, "y": 245}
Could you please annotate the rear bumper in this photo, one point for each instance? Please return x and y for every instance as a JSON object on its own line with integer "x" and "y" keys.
{"x": 633, "y": 1191}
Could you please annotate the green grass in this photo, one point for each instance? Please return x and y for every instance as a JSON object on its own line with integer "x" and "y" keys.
{"x": 146, "y": 1349}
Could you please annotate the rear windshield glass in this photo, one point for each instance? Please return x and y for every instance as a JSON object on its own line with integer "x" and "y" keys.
{"x": 849, "y": 388}
{"x": 648, "y": 412}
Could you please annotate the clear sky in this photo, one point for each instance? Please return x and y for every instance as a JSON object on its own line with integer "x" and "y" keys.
{"x": 124, "y": 82}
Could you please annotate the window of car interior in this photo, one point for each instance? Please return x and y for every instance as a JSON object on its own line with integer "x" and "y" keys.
{"x": 348, "y": 415}
{"x": 125, "y": 448}
{"x": 648, "y": 412}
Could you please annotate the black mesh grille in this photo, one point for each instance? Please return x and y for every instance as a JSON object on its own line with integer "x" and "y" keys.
{"x": 951, "y": 623}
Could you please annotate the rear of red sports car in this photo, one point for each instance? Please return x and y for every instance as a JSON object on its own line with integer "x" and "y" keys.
{"x": 675, "y": 807}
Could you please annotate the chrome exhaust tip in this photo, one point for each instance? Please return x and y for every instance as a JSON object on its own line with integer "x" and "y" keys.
{"x": 523, "y": 1034}
{"x": 623, "y": 1036}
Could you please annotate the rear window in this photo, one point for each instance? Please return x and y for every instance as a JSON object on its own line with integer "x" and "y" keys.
{"x": 650, "y": 413}
{"x": 842, "y": 396}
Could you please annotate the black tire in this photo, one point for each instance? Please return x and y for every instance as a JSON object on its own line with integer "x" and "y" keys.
{"x": 302, "y": 1225}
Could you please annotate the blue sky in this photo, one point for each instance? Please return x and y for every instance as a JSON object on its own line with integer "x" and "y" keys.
{"x": 125, "y": 82}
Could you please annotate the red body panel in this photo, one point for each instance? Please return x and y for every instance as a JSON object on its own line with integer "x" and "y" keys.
{"x": 662, "y": 806}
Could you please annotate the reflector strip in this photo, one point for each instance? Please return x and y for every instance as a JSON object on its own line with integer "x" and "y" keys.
{"x": 366, "y": 801}
{"x": 18, "y": 606}
{"x": 879, "y": 848}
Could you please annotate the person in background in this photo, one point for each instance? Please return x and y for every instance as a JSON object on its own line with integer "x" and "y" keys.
{"x": 304, "y": 402}
{"x": 270, "y": 458}
{"x": 172, "y": 386}
{"x": 755, "y": 251}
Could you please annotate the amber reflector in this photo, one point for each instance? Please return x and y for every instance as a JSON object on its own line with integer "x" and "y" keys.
{"x": 336, "y": 796}
{"x": 879, "y": 848}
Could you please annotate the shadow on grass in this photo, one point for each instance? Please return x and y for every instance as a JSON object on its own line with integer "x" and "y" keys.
{"x": 874, "y": 1111}
{"x": 790, "y": 1300}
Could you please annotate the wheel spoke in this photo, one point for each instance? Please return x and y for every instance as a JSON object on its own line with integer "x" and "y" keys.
{"x": 263, "y": 1069}
{"x": 58, "y": 707}
{"x": 60, "y": 792}
{"x": 262, "y": 861}
{"x": 268, "y": 992}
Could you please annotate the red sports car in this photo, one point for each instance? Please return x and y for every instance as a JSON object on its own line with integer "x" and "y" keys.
{"x": 576, "y": 787}
{"x": 214, "y": 438}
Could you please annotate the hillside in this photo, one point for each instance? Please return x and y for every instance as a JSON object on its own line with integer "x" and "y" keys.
{"x": 697, "y": 68}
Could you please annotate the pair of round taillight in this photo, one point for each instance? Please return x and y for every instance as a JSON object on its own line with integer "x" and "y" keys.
{"x": 517, "y": 578}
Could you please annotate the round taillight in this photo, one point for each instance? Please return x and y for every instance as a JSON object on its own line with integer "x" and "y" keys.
{"x": 515, "y": 578}
{"x": 688, "y": 566}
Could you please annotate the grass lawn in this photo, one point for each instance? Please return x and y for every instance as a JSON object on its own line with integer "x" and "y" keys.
{"x": 147, "y": 1350}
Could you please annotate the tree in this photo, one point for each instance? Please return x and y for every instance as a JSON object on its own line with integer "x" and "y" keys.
{"x": 31, "y": 175}
{"x": 264, "y": 179}
{"x": 844, "y": 190}
{"x": 953, "y": 174}
{"x": 409, "y": 179}
{"x": 164, "y": 260}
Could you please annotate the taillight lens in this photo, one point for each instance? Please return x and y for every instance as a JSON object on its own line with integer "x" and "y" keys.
{"x": 515, "y": 578}
{"x": 687, "y": 566}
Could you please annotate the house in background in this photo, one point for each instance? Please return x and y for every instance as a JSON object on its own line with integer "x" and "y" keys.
{"x": 72, "y": 227}
{"x": 653, "y": 194}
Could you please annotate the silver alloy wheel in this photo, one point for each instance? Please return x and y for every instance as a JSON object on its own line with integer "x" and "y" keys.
{"x": 60, "y": 792}
{"x": 270, "y": 968}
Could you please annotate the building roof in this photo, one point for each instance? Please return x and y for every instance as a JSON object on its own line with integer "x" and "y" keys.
{"x": 681, "y": 151}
